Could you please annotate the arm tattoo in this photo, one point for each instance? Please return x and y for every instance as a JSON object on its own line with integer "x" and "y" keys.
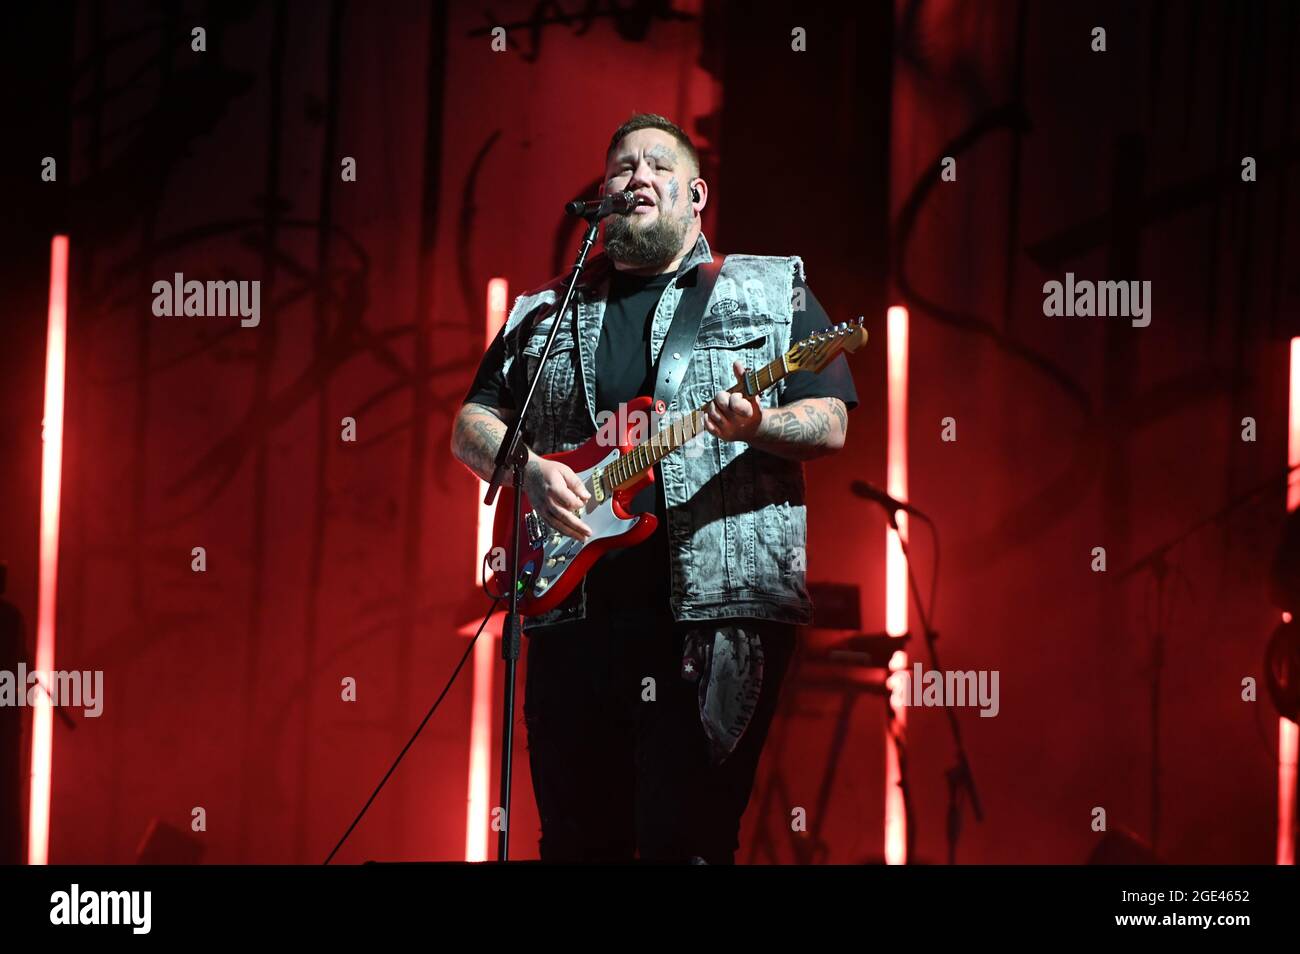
{"x": 476, "y": 437}
{"x": 841, "y": 414}
{"x": 803, "y": 430}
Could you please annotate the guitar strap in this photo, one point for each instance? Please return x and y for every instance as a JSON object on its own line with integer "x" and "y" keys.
{"x": 683, "y": 330}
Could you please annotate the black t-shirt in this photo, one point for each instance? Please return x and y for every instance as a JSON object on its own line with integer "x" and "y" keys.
{"x": 623, "y": 372}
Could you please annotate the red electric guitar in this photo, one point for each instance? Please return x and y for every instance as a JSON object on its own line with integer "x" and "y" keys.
{"x": 551, "y": 564}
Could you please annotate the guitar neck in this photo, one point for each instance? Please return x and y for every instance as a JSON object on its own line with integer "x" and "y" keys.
{"x": 630, "y": 466}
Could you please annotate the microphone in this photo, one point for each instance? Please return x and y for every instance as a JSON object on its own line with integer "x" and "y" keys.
{"x": 607, "y": 204}
{"x": 892, "y": 504}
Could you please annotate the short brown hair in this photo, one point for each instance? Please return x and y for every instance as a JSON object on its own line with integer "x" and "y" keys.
{"x": 654, "y": 121}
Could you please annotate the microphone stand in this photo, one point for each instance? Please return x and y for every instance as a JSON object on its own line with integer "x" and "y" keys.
{"x": 1158, "y": 564}
{"x": 512, "y": 455}
{"x": 960, "y": 778}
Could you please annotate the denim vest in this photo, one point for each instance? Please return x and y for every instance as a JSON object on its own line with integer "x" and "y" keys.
{"x": 737, "y": 527}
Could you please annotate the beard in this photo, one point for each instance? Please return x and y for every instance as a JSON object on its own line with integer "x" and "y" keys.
{"x": 644, "y": 246}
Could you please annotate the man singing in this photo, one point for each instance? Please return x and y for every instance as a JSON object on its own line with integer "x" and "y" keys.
{"x": 650, "y": 689}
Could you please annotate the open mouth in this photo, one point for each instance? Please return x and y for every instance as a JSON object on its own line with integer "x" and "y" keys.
{"x": 643, "y": 205}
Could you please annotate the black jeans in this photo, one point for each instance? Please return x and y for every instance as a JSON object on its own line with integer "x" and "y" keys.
{"x": 616, "y": 775}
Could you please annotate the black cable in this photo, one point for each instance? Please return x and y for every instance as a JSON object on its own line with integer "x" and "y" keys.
{"x": 934, "y": 573}
{"x": 420, "y": 728}
{"x": 525, "y": 579}
{"x": 483, "y": 582}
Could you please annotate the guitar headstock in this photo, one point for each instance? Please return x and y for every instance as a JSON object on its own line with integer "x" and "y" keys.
{"x": 814, "y": 353}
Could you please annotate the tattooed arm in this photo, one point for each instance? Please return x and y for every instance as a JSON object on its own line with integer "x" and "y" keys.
{"x": 803, "y": 430}
{"x": 552, "y": 487}
{"x": 476, "y": 437}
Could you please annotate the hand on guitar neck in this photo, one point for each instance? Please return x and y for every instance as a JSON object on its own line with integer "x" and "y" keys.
{"x": 733, "y": 416}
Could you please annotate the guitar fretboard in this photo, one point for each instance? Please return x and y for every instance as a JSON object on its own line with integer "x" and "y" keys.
{"x": 630, "y": 466}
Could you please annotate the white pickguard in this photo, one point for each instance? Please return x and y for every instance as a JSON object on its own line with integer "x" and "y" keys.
{"x": 559, "y": 551}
